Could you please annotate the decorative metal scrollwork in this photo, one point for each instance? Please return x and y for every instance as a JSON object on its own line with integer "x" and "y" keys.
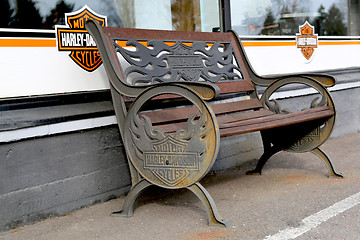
{"x": 172, "y": 160}
{"x": 318, "y": 133}
{"x": 164, "y": 61}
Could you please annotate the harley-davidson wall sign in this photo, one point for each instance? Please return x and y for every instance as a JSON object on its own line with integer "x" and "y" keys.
{"x": 75, "y": 38}
{"x": 307, "y": 40}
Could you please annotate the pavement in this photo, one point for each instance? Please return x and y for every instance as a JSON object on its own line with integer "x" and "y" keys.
{"x": 292, "y": 199}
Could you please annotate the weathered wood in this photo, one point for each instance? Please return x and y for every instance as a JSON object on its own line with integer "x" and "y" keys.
{"x": 274, "y": 121}
{"x": 180, "y": 114}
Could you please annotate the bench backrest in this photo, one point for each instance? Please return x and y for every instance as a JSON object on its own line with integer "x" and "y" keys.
{"x": 142, "y": 57}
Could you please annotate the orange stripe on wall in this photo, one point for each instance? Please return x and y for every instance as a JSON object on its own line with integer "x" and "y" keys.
{"x": 27, "y": 42}
{"x": 122, "y": 43}
{"x": 267, "y": 44}
{"x": 340, "y": 43}
{"x": 52, "y": 43}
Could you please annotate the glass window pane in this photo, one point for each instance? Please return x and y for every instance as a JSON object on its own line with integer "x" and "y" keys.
{"x": 283, "y": 17}
{"x": 188, "y": 15}
{"x": 195, "y": 15}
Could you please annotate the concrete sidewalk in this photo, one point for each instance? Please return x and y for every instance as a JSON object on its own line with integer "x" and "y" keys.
{"x": 292, "y": 188}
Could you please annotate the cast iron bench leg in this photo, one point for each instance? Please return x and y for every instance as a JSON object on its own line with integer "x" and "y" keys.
{"x": 269, "y": 151}
{"x": 328, "y": 163}
{"x": 197, "y": 189}
{"x": 209, "y": 204}
{"x": 128, "y": 207}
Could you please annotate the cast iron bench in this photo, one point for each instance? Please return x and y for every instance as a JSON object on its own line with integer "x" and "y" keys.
{"x": 177, "y": 93}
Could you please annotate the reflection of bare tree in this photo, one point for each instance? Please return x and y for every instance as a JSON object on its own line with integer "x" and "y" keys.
{"x": 287, "y": 22}
{"x": 126, "y": 11}
{"x": 186, "y": 15}
{"x": 269, "y": 26}
{"x": 319, "y": 21}
{"x": 57, "y": 15}
{"x": 109, "y": 8}
{"x": 5, "y": 13}
{"x": 26, "y": 15}
{"x": 334, "y": 25}
{"x": 330, "y": 23}
{"x": 293, "y": 14}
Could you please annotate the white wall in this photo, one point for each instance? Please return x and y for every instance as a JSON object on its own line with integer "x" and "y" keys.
{"x": 27, "y": 71}
{"x": 267, "y": 60}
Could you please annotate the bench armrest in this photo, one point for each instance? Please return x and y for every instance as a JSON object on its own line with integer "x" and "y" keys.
{"x": 323, "y": 79}
{"x": 317, "y": 82}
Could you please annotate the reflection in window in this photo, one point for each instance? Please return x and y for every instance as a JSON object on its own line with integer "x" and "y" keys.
{"x": 188, "y": 15}
{"x": 185, "y": 15}
{"x": 28, "y": 14}
{"x": 45, "y": 14}
{"x": 20, "y": 14}
{"x": 283, "y": 17}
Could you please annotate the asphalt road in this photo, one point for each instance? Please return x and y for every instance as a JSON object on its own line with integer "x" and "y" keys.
{"x": 292, "y": 199}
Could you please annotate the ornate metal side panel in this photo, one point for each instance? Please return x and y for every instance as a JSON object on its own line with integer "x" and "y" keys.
{"x": 310, "y": 136}
{"x": 307, "y": 141}
{"x": 301, "y": 137}
{"x": 172, "y": 160}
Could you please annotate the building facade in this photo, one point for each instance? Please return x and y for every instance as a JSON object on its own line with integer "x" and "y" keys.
{"x": 59, "y": 144}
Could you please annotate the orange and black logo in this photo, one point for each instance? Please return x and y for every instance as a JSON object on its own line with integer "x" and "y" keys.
{"x": 307, "y": 40}
{"x": 74, "y": 37}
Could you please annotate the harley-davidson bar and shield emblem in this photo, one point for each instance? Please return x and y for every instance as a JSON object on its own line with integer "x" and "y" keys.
{"x": 75, "y": 38}
{"x": 170, "y": 161}
{"x": 307, "y": 40}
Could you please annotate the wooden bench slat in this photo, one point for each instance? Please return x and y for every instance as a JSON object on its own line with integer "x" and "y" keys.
{"x": 228, "y": 118}
{"x": 167, "y": 35}
{"x": 179, "y": 114}
{"x": 237, "y": 106}
{"x": 235, "y": 86}
{"x": 272, "y": 117}
{"x": 231, "y": 118}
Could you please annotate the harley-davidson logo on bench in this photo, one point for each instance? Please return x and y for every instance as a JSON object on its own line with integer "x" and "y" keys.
{"x": 73, "y": 37}
{"x": 170, "y": 162}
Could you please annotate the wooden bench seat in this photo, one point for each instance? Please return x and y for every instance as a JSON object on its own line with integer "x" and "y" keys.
{"x": 252, "y": 121}
{"x": 176, "y": 94}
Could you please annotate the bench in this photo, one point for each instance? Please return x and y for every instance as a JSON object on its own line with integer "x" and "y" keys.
{"x": 177, "y": 93}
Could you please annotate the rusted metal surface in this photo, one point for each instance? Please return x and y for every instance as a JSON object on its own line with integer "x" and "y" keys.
{"x": 320, "y": 133}
{"x": 174, "y": 160}
{"x": 187, "y": 90}
{"x": 171, "y": 61}
{"x": 304, "y": 137}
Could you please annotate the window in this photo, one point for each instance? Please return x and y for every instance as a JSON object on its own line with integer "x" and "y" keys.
{"x": 283, "y": 17}
{"x": 188, "y": 15}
